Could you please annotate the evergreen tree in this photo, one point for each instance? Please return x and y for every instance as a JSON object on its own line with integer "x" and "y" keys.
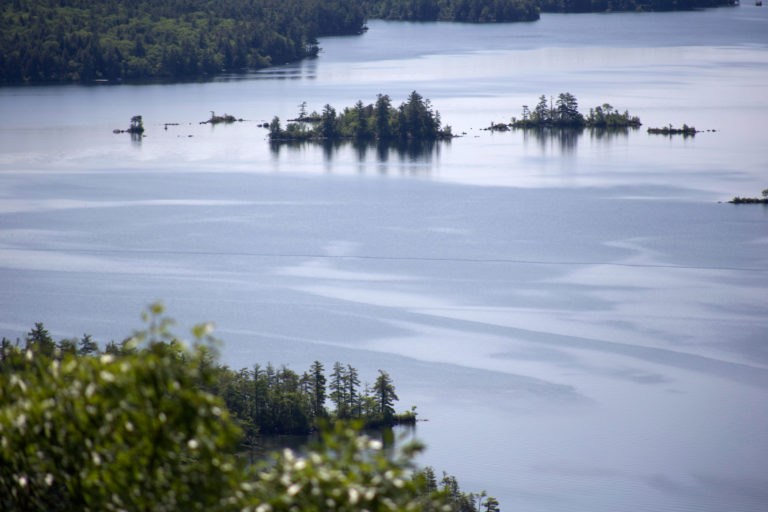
{"x": 338, "y": 389}
{"x": 382, "y": 116}
{"x": 137, "y": 125}
{"x": 351, "y": 385}
{"x": 328, "y": 123}
{"x": 317, "y": 389}
{"x": 87, "y": 345}
{"x": 541, "y": 113}
{"x": 567, "y": 110}
{"x": 384, "y": 395}
{"x": 39, "y": 341}
{"x": 274, "y": 128}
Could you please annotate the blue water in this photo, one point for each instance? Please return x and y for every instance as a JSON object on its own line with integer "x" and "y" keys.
{"x": 579, "y": 318}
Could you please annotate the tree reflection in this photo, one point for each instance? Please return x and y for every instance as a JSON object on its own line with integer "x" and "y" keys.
{"x": 409, "y": 151}
{"x": 567, "y": 139}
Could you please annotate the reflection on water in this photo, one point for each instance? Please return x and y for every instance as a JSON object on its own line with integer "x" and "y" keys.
{"x": 565, "y": 140}
{"x": 410, "y": 151}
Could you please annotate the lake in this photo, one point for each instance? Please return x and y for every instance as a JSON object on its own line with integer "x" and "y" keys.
{"x": 579, "y": 317}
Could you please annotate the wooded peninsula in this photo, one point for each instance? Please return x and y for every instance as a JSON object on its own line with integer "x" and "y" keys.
{"x": 153, "y": 424}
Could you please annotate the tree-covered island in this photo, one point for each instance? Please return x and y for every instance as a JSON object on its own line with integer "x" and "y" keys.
{"x": 225, "y": 119}
{"x": 414, "y": 119}
{"x": 153, "y": 424}
{"x": 685, "y": 130}
{"x": 564, "y": 113}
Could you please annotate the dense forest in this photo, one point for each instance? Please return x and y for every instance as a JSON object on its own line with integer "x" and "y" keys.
{"x": 484, "y": 11}
{"x": 146, "y": 424}
{"x": 82, "y": 40}
{"x": 86, "y": 40}
{"x": 481, "y": 11}
{"x": 627, "y": 5}
{"x": 262, "y": 400}
{"x": 414, "y": 119}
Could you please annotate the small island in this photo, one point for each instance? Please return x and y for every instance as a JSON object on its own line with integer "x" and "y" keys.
{"x": 226, "y": 119}
{"x": 685, "y": 131}
{"x": 136, "y": 128}
{"x": 413, "y": 120}
{"x": 564, "y": 113}
{"x": 751, "y": 200}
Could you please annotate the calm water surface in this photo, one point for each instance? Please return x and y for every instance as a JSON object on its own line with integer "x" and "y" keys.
{"x": 580, "y": 320}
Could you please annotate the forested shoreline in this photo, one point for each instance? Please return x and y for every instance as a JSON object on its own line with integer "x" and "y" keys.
{"x": 583, "y": 6}
{"x": 262, "y": 399}
{"x": 85, "y": 40}
{"x": 496, "y": 11}
{"x": 475, "y": 11}
{"x": 151, "y": 423}
{"x": 113, "y": 40}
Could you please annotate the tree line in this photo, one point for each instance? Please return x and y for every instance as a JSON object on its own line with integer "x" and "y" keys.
{"x": 134, "y": 427}
{"x": 83, "y": 40}
{"x": 268, "y": 400}
{"x": 627, "y": 5}
{"x": 477, "y": 11}
{"x": 564, "y": 113}
{"x": 261, "y": 400}
{"x": 414, "y": 119}
{"x": 485, "y": 11}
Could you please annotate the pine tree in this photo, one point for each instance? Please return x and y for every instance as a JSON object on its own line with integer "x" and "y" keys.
{"x": 382, "y": 112}
{"x": 39, "y": 341}
{"x": 317, "y": 389}
{"x": 338, "y": 390}
{"x": 351, "y": 386}
{"x": 87, "y": 345}
{"x": 384, "y": 394}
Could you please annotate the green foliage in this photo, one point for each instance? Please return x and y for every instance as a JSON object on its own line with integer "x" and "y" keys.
{"x": 565, "y": 114}
{"x": 751, "y": 200}
{"x": 317, "y": 389}
{"x": 133, "y": 432}
{"x": 483, "y": 11}
{"x": 414, "y": 119}
{"x": 137, "y": 125}
{"x": 135, "y": 429}
{"x": 384, "y": 393}
{"x": 626, "y": 5}
{"x": 266, "y": 401}
{"x": 606, "y": 116}
{"x": 685, "y": 130}
{"x": 346, "y": 472}
{"x": 226, "y": 119}
{"x": 80, "y": 40}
